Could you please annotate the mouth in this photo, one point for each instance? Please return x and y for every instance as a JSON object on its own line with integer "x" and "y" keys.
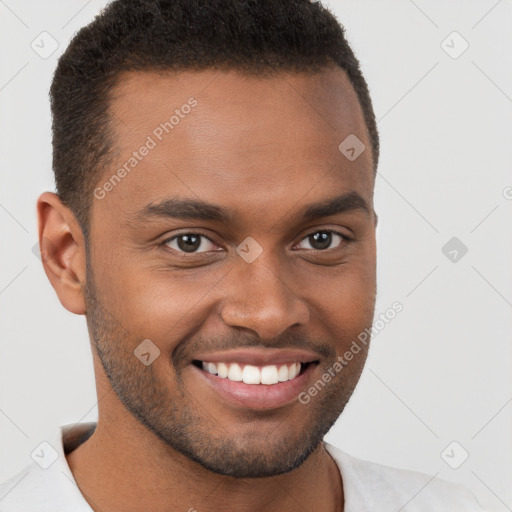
{"x": 254, "y": 375}
{"x": 259, "y": 387}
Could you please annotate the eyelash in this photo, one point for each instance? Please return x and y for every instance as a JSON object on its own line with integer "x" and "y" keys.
{"x": 345, "y": 239}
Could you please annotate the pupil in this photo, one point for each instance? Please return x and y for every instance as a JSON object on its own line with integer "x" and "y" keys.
{"x": 322, "y": 239}
{"x": 188, "y": 243}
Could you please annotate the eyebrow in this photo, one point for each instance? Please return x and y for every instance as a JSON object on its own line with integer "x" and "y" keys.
{"x": 187, "y": 208}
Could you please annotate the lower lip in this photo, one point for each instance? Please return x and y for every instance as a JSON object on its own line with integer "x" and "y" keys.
{"x": 258, "y": 396}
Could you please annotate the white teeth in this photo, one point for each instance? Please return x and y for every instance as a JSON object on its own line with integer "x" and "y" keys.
{"x": 251, "y": 374}
{"x": 270, "y": 374}
{"x": 282, "y": 373}
{"x": 222, "y": 370}
{"x": 235, "y": 372}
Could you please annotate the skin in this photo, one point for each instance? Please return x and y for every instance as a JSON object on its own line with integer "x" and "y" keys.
{"x": 262, "y": 148}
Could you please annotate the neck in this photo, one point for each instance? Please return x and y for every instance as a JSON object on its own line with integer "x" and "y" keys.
{"x": 124, "y": 467}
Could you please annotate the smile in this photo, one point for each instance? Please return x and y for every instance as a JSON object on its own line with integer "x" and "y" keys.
{"x": 250, "y": 374}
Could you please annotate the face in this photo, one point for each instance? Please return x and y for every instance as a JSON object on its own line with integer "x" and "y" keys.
{"x": 240, "y": 241}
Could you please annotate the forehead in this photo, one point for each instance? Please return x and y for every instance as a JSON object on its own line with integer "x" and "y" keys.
{"x": 223, "y": 136}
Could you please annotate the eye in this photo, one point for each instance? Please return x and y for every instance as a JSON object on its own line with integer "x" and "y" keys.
{"x": 190, "y": 243}
{"x": 322, "y": 239}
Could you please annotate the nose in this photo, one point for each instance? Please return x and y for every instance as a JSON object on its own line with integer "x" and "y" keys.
{"x": 263, "y": 299}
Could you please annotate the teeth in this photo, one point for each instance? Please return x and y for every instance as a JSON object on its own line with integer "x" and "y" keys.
{"x": 251, "y": 374}
{"x": 235, "y": 372}
{"x": 222, "y": 370}
{"x": 282, "y": 373}
{"x": 271, "y": 374}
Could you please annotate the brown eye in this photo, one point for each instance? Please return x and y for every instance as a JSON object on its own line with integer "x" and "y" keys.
{"x": 190, "y": 243}
{"x": 322, "y": 240}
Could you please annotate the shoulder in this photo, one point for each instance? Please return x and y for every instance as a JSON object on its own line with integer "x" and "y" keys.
{"x": 46, "y": 484}
{"x": 371, "y": 486}
{"x": 22, "y": 491}
{"x": 34, "y": 489}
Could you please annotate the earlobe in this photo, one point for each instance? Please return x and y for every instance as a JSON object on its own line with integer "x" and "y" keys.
{"x": 62, "y": 251}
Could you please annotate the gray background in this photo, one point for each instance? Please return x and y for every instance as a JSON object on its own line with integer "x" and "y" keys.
{"x": 440, "y": 371}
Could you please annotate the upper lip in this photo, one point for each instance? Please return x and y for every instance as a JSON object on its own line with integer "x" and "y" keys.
{"x": 258, "y": 357}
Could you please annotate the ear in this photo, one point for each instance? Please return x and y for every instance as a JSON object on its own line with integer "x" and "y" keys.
{"x": 63, "y": 254}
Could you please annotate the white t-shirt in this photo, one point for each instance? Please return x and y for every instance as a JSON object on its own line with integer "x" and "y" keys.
{"x": 47, "y": 484}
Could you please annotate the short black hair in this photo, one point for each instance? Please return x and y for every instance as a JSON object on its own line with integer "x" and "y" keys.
{"x": 250, "y": 36}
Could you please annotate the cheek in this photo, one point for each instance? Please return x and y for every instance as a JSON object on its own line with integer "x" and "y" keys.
{"x": 347, "y": 300}
{"x": 156, "y": 303}
{"x": 349, "y": 306}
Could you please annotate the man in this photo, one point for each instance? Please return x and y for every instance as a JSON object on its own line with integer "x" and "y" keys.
{"x": 214, "y": 221}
